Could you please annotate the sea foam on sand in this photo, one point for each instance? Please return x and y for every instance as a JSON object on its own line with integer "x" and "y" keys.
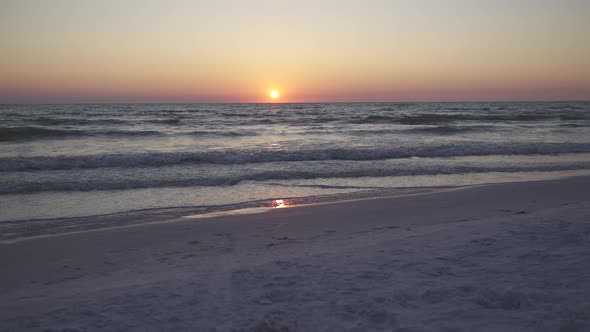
{"x": 504, "y": 257}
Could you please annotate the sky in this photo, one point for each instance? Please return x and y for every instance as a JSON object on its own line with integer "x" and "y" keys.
{"x": 108, "y": 51}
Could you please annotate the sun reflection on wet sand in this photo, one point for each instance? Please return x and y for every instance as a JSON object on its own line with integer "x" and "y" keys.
{"x": 279, "y": 204}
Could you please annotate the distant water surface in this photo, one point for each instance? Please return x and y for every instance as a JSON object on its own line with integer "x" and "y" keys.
{"x": 76, "y": 160}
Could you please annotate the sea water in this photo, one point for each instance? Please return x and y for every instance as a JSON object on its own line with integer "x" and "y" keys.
{"x": 79, "y": 160}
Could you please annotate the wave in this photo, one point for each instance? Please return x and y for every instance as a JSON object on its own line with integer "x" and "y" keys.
{"x": 405, "y": 114}
{"x": 175, "y": 121}
{"x": 30, "y": 132}
{"x": 68, "y": 183}
{"x": 439, "y": 118}
{"x": 27, "y": 133}
{"x": 263, "y": 156}
{"x": 574, "y": 125}
{"x": 46, "y": 121}
{"x": 8, "y": 134}
{"x": 221, "y": 133}
{"x": 449, "y": 130}
{"x": 435, "y": 130}
{"x": 577, "y": 116}
{"x": 237, "y": 115}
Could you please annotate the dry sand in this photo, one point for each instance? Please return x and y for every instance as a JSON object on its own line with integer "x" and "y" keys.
{"x": 504, "y": 257}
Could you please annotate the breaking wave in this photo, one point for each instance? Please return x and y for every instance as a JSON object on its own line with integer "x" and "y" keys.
{"x": 262, "y": 156}
{"x": 67, "y": 183}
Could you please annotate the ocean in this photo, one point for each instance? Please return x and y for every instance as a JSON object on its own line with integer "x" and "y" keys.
{"x": 62, "y": 161}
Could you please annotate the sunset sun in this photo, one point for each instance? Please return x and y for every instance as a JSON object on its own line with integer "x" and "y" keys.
{"x": 274, "y": 94}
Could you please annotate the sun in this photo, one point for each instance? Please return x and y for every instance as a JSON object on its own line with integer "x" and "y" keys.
{"x": 274, "y": 94}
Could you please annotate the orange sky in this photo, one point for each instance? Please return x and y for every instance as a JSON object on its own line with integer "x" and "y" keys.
{"x": 238, "y": 51}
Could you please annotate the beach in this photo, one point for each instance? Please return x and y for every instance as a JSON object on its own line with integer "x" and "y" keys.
{"x": 508, "y": 256}
{"x": 281, "y": 166}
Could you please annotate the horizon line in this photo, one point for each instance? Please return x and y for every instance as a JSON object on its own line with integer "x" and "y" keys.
{"x": 306, "y": 102}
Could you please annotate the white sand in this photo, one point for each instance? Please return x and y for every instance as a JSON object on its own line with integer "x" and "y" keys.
{"x": 506, "y": 257}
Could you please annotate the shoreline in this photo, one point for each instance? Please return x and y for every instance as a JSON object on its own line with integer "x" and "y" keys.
{"x": 134, "y": 218}
{"x": 495, "y": 256}
{"x": 19, "y": 230}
